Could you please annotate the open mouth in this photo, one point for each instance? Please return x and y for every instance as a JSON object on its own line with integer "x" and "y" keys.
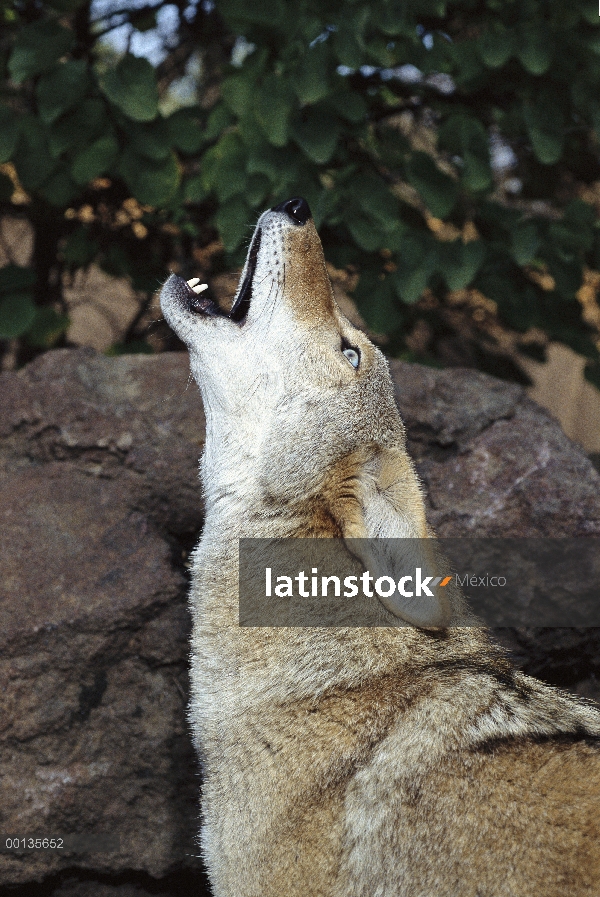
{"x": 241, "y": 306}
{"x": 196, "y": 302}
{"x": 191, "y": 292}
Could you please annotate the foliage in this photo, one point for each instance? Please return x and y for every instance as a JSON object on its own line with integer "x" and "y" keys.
{"x": 379, "y": 113}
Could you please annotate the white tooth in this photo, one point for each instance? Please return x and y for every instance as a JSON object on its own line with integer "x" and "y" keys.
{"x": 200, "y": 288}
{"x": 193, "y": 281}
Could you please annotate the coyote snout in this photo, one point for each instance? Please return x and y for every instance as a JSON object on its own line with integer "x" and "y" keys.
{"x": 353, "y": 762}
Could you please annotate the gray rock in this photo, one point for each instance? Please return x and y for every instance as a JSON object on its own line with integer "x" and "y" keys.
{"x": 101, "y": 506}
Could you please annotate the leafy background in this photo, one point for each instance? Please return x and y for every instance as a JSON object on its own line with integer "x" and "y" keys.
{"x": 448, "y": 150}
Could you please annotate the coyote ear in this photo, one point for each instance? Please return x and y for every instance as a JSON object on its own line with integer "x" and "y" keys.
{"x": 378, "y": 499}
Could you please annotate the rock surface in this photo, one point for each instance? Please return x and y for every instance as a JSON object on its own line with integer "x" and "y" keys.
{"x": 101, "y": 506}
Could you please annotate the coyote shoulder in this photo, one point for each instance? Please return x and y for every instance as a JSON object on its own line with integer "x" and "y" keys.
{"x": 349, "y": 761}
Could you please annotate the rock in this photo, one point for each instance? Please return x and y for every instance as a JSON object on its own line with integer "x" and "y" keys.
{"x": 101, "y": 506}
{"x": 101, "y": 503}
{"x": 492, "y": 461}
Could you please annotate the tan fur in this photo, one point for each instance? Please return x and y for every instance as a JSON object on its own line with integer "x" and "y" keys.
{"x": 306, "y": 277}
{"x": 348, "y": 762}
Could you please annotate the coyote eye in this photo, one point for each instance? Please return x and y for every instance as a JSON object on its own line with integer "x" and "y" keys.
{"x": 351, "y": 352}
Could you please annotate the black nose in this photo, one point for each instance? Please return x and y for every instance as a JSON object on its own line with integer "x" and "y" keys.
{"x": 297, "y": 209}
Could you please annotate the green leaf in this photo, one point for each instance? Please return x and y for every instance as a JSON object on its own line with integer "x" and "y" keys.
{"x": 580, "y": 214}
{"x": 569, "y": 240}
{"x": 219, "y": 119}
{"x": 267, "y": 13}
{"x": 273, "y": 106}
{"x": 9, "y": 133}
{"x": 349, "y": 105}
{"x": 391, "y": 18}
{"x": 316, "y": 132}
{"x": 79, "y": 250}
{"x": 495, "y": 47}
{"x": 237, "y": 92}
{"x": 187, "y": 129}
{"x": 60, "y": 189}
{"x": 78, "y": 128}
{"x": 411, "y": 284}
{"x": 6, "y": 188}
{"x": 466, "y": 137}
{"x": 135, "y": 347}
{"x": 46, "y": 327}
{"x": 16, "y": 315}
{"x": 468, "y": 67}
{"x": 375, "y": 297}
{"x": 258, "y": 188}
{"x": 438, "y": 191}
{"x": 267, "y": 163}
{"x": 375, "y": 200}
{"x": 33, "y": 160}
{"x": 592, "y": 373}
{"x": 232, "y": 220}
{"x": 347, "y": 48}
{"x": 152, "y": 140}
{"x": 224, "y": 167}
{"x": 417, "y": 260}
{"x": 391, "y": 146}
{"x": 61, "y": 89}
{"x": 132, "y": 87}
{"x": 476, "y": 174}
{"x": 68, "y": 6}
{"x": 536, "y": 48}
{"x": 460, "y": 262}
{"x": 37, "y": 48}
{"x": 194, "y": 190}
{"x": 151, "y": 183}
{"x": 525, "y": 243}
{"x": 143, "y": 19}
{"x": 567, "y": 272}
{"x": 364, "y": 233}
{"x": 280, "y": 166}
{"x": 115, "y": 261}
{"x": 588, "y": 9}
{"x": 545, "y": 126}
{"x": 379, "y": 52}
{"x": 95, "y": 160}
{"x": 311, "y": 78}
{"x": 15, "y": 279}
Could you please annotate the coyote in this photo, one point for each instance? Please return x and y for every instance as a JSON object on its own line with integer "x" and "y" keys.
{"x": 353, "y": 761}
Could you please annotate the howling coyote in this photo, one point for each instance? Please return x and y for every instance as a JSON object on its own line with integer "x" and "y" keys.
{"x": 378, "y": 761}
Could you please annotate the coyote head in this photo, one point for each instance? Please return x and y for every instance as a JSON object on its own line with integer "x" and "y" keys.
{"x": 299, "y": 403}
